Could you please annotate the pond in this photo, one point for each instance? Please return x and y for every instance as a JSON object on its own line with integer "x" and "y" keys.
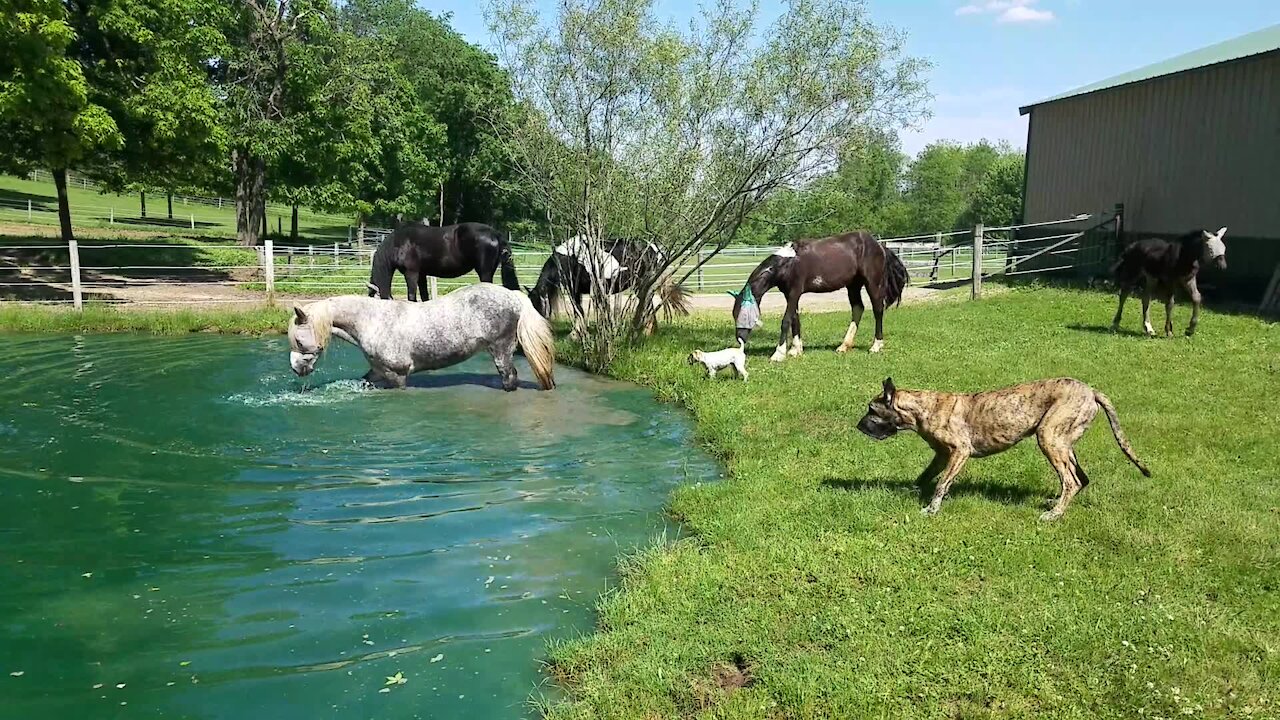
{"x": 185, "y": 533}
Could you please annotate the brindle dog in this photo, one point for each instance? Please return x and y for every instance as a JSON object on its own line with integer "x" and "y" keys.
{"x": 959, "y": 426}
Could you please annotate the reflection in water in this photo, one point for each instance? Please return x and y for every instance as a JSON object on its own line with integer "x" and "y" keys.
{"x": 186, "y": 534}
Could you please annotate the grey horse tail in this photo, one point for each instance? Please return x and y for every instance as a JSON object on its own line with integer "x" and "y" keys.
{"x": 509, "y": 279}
{"x": 895, "y": 278}
{"x": 533, "y": 332}
{"x": 1105, "y": 403}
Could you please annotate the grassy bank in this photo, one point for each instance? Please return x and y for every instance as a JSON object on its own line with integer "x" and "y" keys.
{"x": 812, "y": 586}
{"x": 96, "y": 318}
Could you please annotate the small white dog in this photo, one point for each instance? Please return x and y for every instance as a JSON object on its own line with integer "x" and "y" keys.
{"x": 735, "y": 357}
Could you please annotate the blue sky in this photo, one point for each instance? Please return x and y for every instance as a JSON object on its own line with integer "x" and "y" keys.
{"x": 990, "y": 56}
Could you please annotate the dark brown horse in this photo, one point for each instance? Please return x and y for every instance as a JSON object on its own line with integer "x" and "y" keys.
{"x": 420, "y": 251}
{"x": 849, "y": 262}
{"x": 1158, "y": 267}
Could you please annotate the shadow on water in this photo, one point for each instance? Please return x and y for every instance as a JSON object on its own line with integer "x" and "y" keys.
{"x": 187, "y": 535}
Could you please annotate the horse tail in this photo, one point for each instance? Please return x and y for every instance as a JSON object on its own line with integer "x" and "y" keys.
{"x": 505, "y": 261}
{"x": 673, "y": 297}
{"x": 1105, "y": 403}
{"x": 533, "y": 332}
{"x": 894, "y": 279}
{"x": 382, "y": 270}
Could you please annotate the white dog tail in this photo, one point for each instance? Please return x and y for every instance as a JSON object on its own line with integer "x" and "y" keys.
{"x": 533, "y": 332}
{"x": 742, "y": 345}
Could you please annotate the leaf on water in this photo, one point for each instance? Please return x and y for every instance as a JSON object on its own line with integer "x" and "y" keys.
{"x": 489, "y": 581}
{"x": 119, "y": 686}
{"x": 437, "y": 658}
{"x": 397, "y": 679}
{"x": 86, "y": 575}
{"x": 385, "y": 690}
{"x": 184, "y": 663}
{"x": 18, "y": 673}
{"x": 98, "y": 686}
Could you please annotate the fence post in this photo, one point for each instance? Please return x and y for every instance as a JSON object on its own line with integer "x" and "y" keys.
{"x": 335, "y": 255}
{"x": 311, "y": 255}
{"x": 1115, "y": 252}
{"x": 700, "y": 266}
{"x": 112, "y": 218}
{"x": 193, "y": 221}
{"x": 269, "y": 267}
{"x": 433, "y": 286}
{"x": 28, "y": 210}
{"x": 976, "y": 291}
{"x": 348, "y": 234}
{"x": 77, "y": 297}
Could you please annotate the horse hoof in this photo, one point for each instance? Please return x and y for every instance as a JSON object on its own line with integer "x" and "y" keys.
{"x": 877, "y": 346}
{"x": 795, "y": 352}
{"x": 1050, "y": 516}
{"x": 1191, "y": 332}
{"x": 778, "y": 356}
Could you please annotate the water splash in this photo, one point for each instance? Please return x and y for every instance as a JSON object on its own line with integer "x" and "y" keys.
{"x": 335, "y": 392}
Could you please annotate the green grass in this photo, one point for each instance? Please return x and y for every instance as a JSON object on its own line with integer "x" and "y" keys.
{"x": 811, "y": 567}
{"x": 89, "y": 208}
{"x": 97, "y": 318}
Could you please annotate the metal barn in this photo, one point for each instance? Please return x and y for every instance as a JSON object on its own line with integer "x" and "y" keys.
{"x": 1190, "y": 142}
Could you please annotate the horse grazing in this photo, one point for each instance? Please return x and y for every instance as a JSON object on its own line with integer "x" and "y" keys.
{"x": 852, "y": 261}
{"x": 419, "y": 251}
{"x": 619, "y": 263}
{"x": 1162, "y": 266}
{"x": 401, "y": 338}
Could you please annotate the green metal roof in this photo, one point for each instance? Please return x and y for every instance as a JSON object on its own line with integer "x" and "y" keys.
{"x": 1254, "y": 43}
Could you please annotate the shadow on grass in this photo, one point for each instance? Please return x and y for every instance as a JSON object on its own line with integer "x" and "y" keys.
{"x": 1105, "y": 330}
{"x": 1002, "y": 493}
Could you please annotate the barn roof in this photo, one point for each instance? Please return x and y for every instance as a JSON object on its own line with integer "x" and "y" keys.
{"x": 1254, "y": 43}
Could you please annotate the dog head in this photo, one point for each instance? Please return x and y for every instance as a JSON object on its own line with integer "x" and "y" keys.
{"x": 695, "y": 357}
{"x": 884, "y": 418}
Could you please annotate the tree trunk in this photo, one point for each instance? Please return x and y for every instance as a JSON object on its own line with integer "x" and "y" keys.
{"x": 142, "y": 194}
{"x": 293, "y": 224}
{"x": 64, "y": 207}
{"x": 170, "y": 197}
{"x": 250, "y": 172}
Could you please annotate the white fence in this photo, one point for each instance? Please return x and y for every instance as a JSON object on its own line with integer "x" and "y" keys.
{"x": 207, "y": 273}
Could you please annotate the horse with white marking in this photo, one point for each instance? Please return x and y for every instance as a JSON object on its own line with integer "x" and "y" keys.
{"x": 1162, "y": 266}
{"x": 401, "y": 338}
{"x": 618, "y": 264}
{"x": 849, "y": 262}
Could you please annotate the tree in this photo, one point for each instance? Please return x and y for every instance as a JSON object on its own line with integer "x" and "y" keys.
{"x": 267, "y": 40}
{"x": 942, "y": 181}
{"x": 998, "y": 199}
{"x": 630, "y": 128}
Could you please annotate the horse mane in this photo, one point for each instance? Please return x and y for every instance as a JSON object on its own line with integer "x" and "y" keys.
{"x": 319, "y": 320}
{"x": 383, "y": 266}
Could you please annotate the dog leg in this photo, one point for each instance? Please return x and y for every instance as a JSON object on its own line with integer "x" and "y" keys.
{"x": 1066, "y": 474}
{"x": 711, "y": 373}
{"x": 954, "y": 464}
{"x": 740, "y": 368}
{"x": 937, "y": 465}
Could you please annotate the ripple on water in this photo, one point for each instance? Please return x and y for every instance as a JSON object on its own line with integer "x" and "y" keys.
{"x": 338, "y": 391}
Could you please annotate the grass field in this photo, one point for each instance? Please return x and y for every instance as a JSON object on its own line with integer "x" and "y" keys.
{"x": 811, "y": 587}
{"x": 89, "y": 208}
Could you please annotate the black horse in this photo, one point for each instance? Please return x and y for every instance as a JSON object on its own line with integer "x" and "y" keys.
{"x": 1162, "y": 266}
{"x": 420, "y": 251}
{"x": 570, "y": 267}
{"x": 851, "y": 262}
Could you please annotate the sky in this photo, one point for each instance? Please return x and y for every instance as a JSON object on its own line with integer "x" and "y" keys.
{"x": 992, "y": 56}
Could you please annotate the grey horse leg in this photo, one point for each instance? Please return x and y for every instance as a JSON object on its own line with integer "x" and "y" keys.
{"x": 502, "y": 351}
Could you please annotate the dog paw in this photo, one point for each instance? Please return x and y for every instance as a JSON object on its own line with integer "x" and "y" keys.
{"x": 1050, "y": 516}
{"x": 928, "y": 511}
{"x": 842, "y": 349}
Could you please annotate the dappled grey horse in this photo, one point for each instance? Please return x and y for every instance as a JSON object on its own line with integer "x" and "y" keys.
{"x": 400, "y": 338}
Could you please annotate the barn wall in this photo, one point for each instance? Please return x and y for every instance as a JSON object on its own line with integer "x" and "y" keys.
{"x": 1197, "y": 149}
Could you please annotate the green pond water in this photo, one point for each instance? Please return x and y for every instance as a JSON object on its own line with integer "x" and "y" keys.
{"x": 185, "y": 533}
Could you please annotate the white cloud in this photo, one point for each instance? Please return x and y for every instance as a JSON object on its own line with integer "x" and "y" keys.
{"x": 1008, "y": 11}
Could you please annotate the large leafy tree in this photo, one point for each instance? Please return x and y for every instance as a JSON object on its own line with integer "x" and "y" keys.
{"x": 633, "y": 127}
{"x": 997, "y": 201}
{"x": 114, "y": 88}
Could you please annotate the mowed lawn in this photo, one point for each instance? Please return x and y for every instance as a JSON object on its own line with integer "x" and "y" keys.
{"x": 809, "y": 586}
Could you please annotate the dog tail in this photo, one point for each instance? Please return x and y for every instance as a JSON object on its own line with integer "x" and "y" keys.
{"x": 1105, "y": 403}
{"x": 742, "y": 345}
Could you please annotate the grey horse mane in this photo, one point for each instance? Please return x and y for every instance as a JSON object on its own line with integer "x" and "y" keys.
{"x": 319, "y": 321}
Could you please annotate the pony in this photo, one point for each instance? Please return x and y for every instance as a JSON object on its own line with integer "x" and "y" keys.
{"x": 852, "y": 261}
{"x": 1161, "y": 266}
{"x": 401, "y": 338}
{"x": 419, "y": 251}
{"x": 618, "y": 264}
